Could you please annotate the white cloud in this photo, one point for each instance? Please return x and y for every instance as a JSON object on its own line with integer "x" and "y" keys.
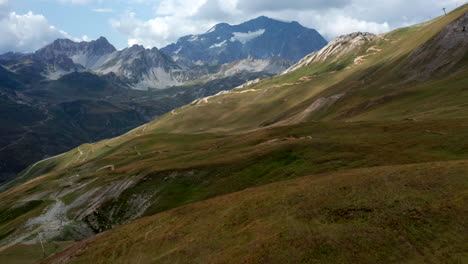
{"x": 102, "y": 10}
{"x": 342, "y": 25}
{"x": 4, "y": 8}
{"x": 28, "y": 32}
{"x": 176, "y": 18}
{"x": 155, "y": 32}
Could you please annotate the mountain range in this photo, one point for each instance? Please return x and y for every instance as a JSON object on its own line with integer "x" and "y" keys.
{"x": 87, "y": 91}
{"x": 357, "y": 153}
{"x": 192, "y": 58}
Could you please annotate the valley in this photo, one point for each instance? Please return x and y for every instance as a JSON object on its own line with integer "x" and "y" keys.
{"x": 83, "y": 92}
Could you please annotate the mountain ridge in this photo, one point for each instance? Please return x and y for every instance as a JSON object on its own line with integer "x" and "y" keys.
{"x": 162, "y": 68}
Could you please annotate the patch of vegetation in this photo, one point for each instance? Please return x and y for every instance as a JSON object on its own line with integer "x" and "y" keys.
{"x": 12, "y": 213}
{"x": 31, "y": 254}
{"x": 70, "y": 197}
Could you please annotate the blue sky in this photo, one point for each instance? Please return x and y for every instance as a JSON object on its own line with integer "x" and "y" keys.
{"x": 80, "y": 20}
{"x": 26, "y": 25}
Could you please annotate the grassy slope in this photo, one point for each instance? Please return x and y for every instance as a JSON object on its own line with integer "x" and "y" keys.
{"x": 209, "y": 165}
{"x": 412, "y": 214}
{"x": 30, "y": 254}
{"x": 193, "y": 168}
{"x": 273, "y": 100}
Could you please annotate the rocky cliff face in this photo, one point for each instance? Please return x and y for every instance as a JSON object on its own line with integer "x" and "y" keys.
{"x": 341, "y": 46}
{"x": 144, "y": 68}
{"x": 446, "y": 51}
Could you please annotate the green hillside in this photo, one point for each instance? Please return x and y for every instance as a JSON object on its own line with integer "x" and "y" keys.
{"x": 370, "y": 135}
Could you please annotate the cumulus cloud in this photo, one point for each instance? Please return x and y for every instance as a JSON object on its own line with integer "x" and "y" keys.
{"x": 25, "y": 32}
{"x": 342, "y": 25}
{"x": 175, "y": 18}
{"x": 154, "y": 32}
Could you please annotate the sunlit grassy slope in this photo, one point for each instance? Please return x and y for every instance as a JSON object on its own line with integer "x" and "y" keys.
{"x": 175, "y": 170}
{"x": 411, "y": 214}
{"x": 388, "y": 80}
{"x": 383, "y": 102}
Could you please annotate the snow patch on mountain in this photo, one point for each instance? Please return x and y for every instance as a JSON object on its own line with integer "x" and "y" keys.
{"x": 193, "y": 38}
{"x": 218, "y": 45}
{"x": 246, "y": 37}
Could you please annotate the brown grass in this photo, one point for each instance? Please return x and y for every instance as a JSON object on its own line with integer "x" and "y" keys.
{"x": 394, "y": 214}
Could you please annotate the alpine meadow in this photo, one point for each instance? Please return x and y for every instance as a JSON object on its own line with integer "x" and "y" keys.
{"x": 264, "y": 141}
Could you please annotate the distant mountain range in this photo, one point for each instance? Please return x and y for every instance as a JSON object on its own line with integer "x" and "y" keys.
{"x": 192, "y": 58}
{"x": 68, "y": 93}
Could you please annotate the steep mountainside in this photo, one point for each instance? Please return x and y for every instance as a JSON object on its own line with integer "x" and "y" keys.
{"x": 51, "y": 117}
{"x": 352, "y": 105}
{"x": 260, "y": 38}
{"x": 298, "y": 221}
{"x": 355, "y": 78}
{"x": 144, "y": 68}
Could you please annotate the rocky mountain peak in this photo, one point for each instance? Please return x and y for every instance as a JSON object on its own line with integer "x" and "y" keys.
{"x": 261, "y": 38}
{"x": 136, "y": 47}
{"x": 219, "y": 27}
{"x": 357, "y": 36}
{"x": 71, "y": 48}
{"x": 100, "y": 46}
